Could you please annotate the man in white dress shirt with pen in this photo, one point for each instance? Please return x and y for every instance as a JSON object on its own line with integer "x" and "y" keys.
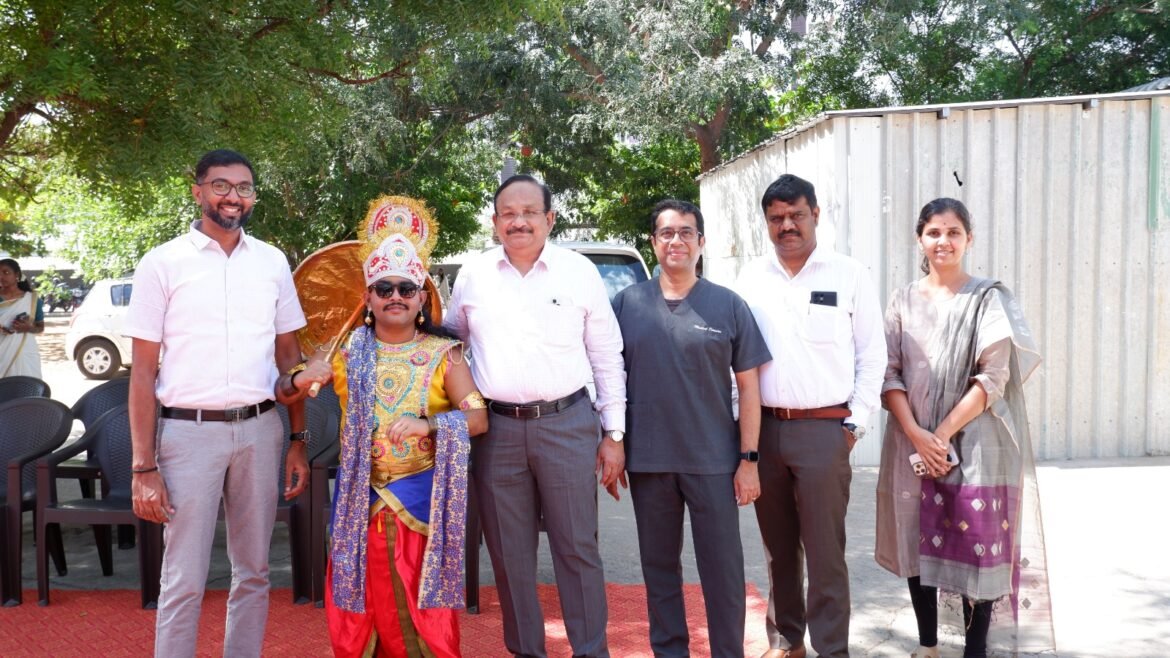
{"x": 539, "y": 323}
{"x": 822, "y": 320}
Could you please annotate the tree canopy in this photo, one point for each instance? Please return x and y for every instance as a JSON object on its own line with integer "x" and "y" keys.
{"x": 889, "y": 52}
{"x": 105, "y": 105}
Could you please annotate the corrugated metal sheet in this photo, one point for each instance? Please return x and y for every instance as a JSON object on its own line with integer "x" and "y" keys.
{"x": 1071, "y": 209}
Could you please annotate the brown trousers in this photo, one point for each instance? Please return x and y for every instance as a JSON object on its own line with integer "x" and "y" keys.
{"x": 804, "y": 492}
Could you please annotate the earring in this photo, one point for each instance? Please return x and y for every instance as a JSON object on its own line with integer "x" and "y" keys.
{"x": 369, "y": 318}
{"x": 419, "y": 320}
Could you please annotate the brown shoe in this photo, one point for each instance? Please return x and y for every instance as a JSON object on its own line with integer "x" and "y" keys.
{"x": 798, "y": 652}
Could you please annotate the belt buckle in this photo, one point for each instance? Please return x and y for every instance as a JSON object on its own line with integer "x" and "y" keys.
{"x": 536, "y": 408}
{"x": 234, "y": 415}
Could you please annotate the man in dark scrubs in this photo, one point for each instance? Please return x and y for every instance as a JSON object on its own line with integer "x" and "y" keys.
{"x": 683, "y": 338}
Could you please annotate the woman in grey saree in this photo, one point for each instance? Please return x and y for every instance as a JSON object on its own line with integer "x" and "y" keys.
{"x": 959, "y": 354}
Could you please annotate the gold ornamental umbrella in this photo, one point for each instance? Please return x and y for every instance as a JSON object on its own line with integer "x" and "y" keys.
{"x": 330, "y": 283}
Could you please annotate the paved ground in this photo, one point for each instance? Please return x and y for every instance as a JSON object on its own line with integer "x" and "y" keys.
{"x": 1110, "y": 577}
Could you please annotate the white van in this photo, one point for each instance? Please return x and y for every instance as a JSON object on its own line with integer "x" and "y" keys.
{"x": 95, "y": 339}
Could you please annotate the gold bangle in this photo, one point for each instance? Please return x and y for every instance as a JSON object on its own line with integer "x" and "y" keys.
{"x": 297, "y": 368}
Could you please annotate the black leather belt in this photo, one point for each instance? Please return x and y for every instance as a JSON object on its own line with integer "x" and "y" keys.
{"x": 218, "y": 415}
{"x": 536, "y": 409}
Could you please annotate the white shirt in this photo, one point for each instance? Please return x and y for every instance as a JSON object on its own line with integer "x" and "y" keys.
{"x": 821, "y": 355}
{"x": 539, "y": 336}
{"x": 217, "y": 317}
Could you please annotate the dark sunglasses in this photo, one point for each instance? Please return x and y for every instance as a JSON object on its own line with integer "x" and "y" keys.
{"x": 385, "y": 289}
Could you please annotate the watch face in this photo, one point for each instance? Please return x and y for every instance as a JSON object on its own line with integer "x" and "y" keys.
{"x": 616, "y": 435}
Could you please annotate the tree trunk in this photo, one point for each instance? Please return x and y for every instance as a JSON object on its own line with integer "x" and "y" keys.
{"x": 10, "y": 120}
{"x": 708, "y": 136}
{"x": 708, "y": 149}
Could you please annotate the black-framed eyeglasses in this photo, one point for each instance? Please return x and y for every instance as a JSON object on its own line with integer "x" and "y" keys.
{"x": 386, "y": 289}
{"x": 687, "y": 234}
{"x": 222, "y": 187}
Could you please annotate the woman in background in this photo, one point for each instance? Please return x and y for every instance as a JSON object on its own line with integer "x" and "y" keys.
{"x": 21, "y": 315}
{"x": 958, "y": 509}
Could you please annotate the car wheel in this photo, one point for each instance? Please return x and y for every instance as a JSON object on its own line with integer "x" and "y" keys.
{"x": 97, "y": 358}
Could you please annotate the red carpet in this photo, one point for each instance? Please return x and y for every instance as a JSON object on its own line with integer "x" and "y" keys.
{"x": 110, "y": 623}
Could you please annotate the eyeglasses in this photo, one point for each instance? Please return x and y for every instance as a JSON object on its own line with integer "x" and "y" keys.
{"x": 527, "y": 215}
{"x": 687, "y": 234}
{"x": 223, "y": 188}
{"x": 385, "y": 289}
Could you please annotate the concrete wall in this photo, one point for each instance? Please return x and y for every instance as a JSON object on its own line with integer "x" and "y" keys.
{"x": 1070, "y": 200}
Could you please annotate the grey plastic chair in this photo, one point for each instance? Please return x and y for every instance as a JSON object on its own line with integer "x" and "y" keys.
{"x": 88, "y": 408}
{"x": 22, "y": 386}
{"x": 29, "y": 428}
{"x": 107, "y": 440}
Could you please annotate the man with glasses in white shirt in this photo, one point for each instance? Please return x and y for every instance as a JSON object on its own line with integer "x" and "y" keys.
{"x": 539, "y": 323}
{"x": 821, "y": 317}
{"x": 220, "y": 308}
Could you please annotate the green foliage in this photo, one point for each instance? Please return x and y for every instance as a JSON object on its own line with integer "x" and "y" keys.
{"x": 95, "y": 231}
{"x": 335, "y": 103}
{"x": 651, "y": 70}
{"x": 907, "y": 52}
{"x": 1069, "y": 47}
{"x": 50, "y": 286}
{"x": 105, "y": 105}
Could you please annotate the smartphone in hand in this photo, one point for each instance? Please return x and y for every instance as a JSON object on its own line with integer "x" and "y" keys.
{"x": 919, "y": 466}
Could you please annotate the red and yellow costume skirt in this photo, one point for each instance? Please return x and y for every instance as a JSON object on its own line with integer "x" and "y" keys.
{"x": 393, "y": 625}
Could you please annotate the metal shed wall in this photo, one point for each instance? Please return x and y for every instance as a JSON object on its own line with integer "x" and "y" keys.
{"x": 1071, "y": 209}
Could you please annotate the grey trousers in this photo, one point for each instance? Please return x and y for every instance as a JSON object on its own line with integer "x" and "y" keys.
{"x": 804, "y": 492}
{"x": 525, "y": 470}
{"x": 201, "y": 464}
{"x": 659, "y": 499}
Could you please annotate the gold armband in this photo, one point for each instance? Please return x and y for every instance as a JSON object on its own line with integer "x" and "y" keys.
{"x": 473, "y": 401}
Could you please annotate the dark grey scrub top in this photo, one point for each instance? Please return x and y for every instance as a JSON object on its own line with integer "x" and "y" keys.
{"x": 678, "y": 376}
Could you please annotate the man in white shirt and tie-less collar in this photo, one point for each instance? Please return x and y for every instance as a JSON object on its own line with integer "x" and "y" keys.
{"x": 220, "y": 308}
{"x": 539, "y": 323}
{"x": 821, "y": 317}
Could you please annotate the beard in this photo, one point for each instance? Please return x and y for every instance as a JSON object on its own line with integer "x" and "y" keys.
{"x": 228, "y": 224}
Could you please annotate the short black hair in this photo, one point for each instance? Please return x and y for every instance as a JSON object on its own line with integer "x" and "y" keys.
{"x": 220, "y": 158}
{"x": 681, "y": 207}
{"x": 524, "y": 178}
{"x": 789, "y": 189}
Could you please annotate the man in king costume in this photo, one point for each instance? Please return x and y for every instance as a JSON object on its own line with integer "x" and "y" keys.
{"x": 409, "y": 405}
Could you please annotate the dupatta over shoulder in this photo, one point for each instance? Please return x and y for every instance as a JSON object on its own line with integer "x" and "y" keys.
{"x": 982, "y": 531}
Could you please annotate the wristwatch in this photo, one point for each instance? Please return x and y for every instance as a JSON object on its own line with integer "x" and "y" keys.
{"x": 857, "y": 432}
{"x": 302, "y": 435}
{"x": 617, "y": 436}
{"x": 750, "y": 456}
